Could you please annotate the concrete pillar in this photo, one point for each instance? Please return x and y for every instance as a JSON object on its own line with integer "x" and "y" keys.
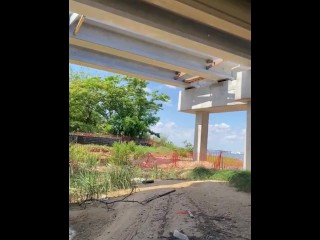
{"x": 201, "y": 136}
{"x": 247, "y": 152}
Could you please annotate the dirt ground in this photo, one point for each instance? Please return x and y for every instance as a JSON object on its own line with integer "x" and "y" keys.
{"x": 220, "y": 213}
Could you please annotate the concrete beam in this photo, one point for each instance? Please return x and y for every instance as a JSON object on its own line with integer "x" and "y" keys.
{"x": 214, "y": 99}
{"x": 98, "y": 60}
{"x": 215, "y": 15}
{"x": 95, "y": 36}
{"x": 230, "y": 107}
{"x": 201, "y": 136}
{"x": 168, "y": 28}
{"x": 247, "y": 152}
{"x": 207, "y": 97}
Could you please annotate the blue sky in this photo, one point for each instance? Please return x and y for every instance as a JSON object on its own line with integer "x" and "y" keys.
{"x": 226, "y": 130}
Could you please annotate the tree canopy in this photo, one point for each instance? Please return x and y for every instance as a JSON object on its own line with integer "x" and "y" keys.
{"x": 116, "y": 105}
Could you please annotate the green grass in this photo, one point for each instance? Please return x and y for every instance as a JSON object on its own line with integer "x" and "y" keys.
{"x": 160, "y": 150}
{"x": 237, "y": 178}
{"x": 202, "y": 173}
{"x": 241, "y": 180}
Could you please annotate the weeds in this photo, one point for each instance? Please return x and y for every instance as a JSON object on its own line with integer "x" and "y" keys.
{"x": 87, "y": 182}
{"x": 124, "y": 153}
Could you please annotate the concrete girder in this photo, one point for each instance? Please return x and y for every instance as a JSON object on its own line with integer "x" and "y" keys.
{"x": 166, "y": 27}
{"x": 94, "y": 36}
{"x": 98, "y": 60}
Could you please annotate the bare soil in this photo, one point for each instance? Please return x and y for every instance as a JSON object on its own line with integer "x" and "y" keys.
{"x": 220, "y": 212}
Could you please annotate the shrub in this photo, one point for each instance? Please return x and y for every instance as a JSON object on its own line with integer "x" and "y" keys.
{"x": 241, "y": 180}
{"x": 121, "y": 153}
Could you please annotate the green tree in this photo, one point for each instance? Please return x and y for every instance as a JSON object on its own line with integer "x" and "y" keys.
{"x": 118, "y": 105}
{"x": 86, "y": 111}
{"x": 78, "y": 75}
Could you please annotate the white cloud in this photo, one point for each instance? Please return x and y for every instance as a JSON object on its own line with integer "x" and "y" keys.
{"x": 231, "y": 137}
{"x": 173, "y": 132}
{"x": 222, "y": 127}
{"x": 169, "y": 86}
{"x": 220, "y": 136}
{"x": 170, "y": 125}
{"x": 234, "y": 137}
{"x": 148, "y": 90}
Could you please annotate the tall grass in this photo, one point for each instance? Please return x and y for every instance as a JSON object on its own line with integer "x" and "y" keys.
{"x": 90, "y": 183}
{"x": 87, "y": 182}
{"x": 124, "y": 153}
{"x": 119, "y": 177}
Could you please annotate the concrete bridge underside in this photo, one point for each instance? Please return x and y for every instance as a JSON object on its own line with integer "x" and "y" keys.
{"x": 201, "y": 46}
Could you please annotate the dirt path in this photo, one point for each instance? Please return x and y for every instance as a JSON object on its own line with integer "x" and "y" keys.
{"x": 220, "y": 212}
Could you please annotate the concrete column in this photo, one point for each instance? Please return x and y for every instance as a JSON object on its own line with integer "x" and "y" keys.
{"x": 247, "y": 152}
{"x": 201, "y": 136}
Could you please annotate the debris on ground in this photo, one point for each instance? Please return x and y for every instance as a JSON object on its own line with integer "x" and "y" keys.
{"x": 190, "y": 214}
{"x": 182, "y": 212}
{"x": 138, "y": 180}
{"x": 186, "y": 212}
{"x": 157, "y": 196}
{"x": 147, "y": 181}
{"x": 72, "y": 233}
{"x": 180, "y": 235}
{"x": 105, "y": 201}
